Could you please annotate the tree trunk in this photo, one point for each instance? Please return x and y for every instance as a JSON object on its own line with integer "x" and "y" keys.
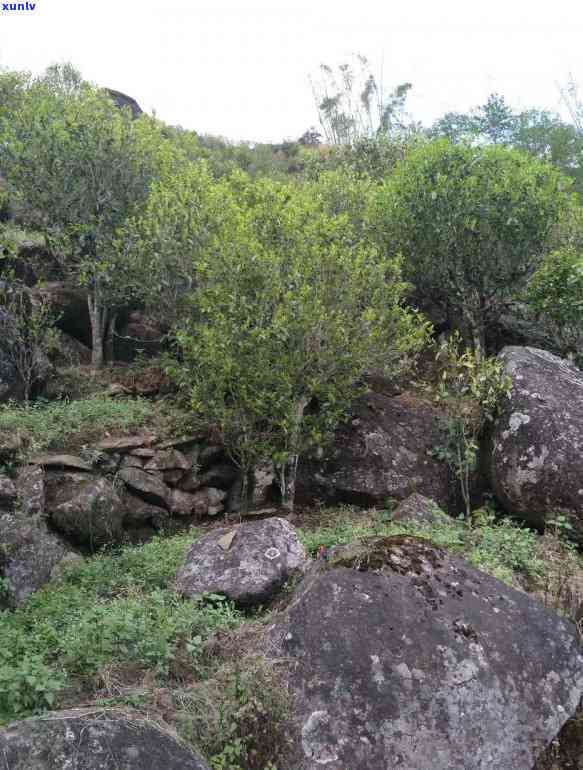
{"x": 474, "y": 318}
{"x": 110, "y": 338}
{"x": 288, "y": 474}
{"x": 98, "y": 319}
{"x": 479, "y": 339}
{"x": 289, "y": 468}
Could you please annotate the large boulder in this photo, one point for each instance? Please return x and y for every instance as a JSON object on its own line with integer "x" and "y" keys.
{"x": 87, "y": 509}
{"x": 30, "y": 556}
{"x": 30, "y": 487}
{"x": 537, "y": 443}
{"x": 7, "y": 493}
{"x": 94, "y": 739}
{"x": 69, "y": 351}
{"x": 123, "y": 100}
{"x": 70, "y": 303}
{"x": 384, "y": 451}
{"x": 247, "y": 564}
{"x": 409, "y": 657}
{"x": 138, "y": 334}
{"x": 566, "y": 751}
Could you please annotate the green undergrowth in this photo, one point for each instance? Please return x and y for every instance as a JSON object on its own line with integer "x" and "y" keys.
{"x": 114, "y": 612}
{"x": 502, "y": 548}
{"x": 112, "y": 632}
{"x": 54, "y": 425}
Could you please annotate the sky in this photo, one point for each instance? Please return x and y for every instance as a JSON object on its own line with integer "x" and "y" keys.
{"x": 241, "y": 69}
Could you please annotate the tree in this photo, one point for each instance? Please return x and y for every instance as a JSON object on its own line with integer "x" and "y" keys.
{"x": 555, "y": 293}
{"x": 288, "y": 310}
{"x": 352, "y": 103}
{"x": 27, "y": 334}
{"x": 472, "y": 224}
{"x": 491, "y": 123}
{"x": 183, "y": 216}
{"x": 79, "y": 166}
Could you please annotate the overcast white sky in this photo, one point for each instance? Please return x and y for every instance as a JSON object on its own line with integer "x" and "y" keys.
{"x": 240, "y": 69}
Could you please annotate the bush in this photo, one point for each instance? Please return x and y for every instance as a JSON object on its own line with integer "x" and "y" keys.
{"x": 471, "y": 223}
{"x": 238, "y": 716}
{"x": 555, "y": 293}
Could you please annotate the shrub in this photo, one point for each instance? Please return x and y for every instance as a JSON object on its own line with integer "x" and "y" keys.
{"x": 555, "y": 293}
{"x": 472, "y": 224}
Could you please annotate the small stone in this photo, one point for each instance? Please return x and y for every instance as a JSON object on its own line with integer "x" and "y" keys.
{"x": 61, "y": 461}
{"x": 170, "y": 459}
{"x": 150, "y": 486}
{"x": 125, "y": 443}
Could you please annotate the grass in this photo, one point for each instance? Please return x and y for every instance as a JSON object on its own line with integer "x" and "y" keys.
{"x": 42, "y": 426}
{"x": 113, "y": 612}
{"x": 504, "y": 549}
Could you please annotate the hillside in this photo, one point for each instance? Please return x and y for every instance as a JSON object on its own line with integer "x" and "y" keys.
{"x": 290, "y": 440}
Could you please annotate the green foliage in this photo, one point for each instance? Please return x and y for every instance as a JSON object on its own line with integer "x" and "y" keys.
{"x": 555, "y": 294}
{"x": 182, "y": 218}
{"x": 27, "y": 333}
{"x": 238, "y": 716}
{"x": 78, "y": 166}
{"x": 56, "y": 425}
{"x": 290, "y": 307}
{"x": 117, "y": 611}
{"x": 504, "y": 549}
{"x": 373, "y": 157}
{"x": 469, "y": 390}
{"x": 472, "y": 224}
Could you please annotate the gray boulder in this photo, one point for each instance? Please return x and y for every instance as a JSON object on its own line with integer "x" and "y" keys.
{"x": 168, "y": 460}
{"x": 93, "y": 740}
{"x": 185, "y": 504}
{"x": 7, "y": 493}
{"x": 150, "y": 486}
{"x": 30, "y": 555}
{"x": 138, "y": 512}
{"x": 537, "y": 443}
{"x": 88, "y": 510}
{"x": 417, "y": 509}
{"x": 412, "y": 658}
{"x": 248, "y": 564}
{"x": 30, "y": 486}
{"x": 383, "y": 451}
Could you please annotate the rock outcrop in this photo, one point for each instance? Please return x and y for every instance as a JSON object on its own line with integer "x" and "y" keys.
{"x": 417, "y": 509}
{"x": 7, "y": 493}
{"x": 248, "y": 563}
{"x": 87, "y": 509}
{"x": 30, "y": 555}
{"x": 409, "y": 657}
{"x": 537, "y": 442}
{"x": 93, "y": 740}
{"x": 384, "y": 451}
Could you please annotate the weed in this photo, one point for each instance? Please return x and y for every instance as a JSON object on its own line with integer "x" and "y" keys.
{"x": 116, "y": 610}
{"x": 54, "y": 425}
{"x": 501, "y": 548}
